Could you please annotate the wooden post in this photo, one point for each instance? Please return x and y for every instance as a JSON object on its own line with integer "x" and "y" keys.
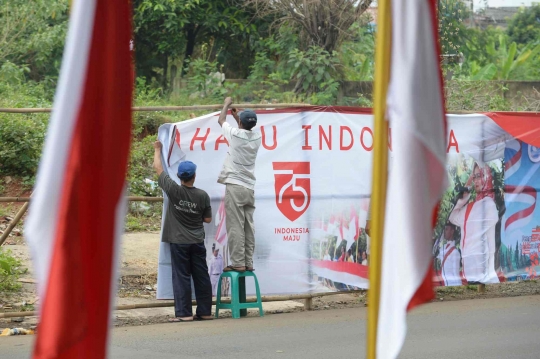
{"x": 173, "y": 108}
{"x": 481, "y": 288}
{"x": 13, "y": 223}
{"x": 308, "y": 304}
{"x": 264, "y": 298}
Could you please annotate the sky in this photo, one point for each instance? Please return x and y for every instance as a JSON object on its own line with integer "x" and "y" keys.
{"x": 478, "y": 4}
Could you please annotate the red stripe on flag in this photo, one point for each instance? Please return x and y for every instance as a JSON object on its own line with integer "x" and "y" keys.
{"x": 343, "y": 267}
{"x": 76, "y": 308}
{"x": 425, "y": 292}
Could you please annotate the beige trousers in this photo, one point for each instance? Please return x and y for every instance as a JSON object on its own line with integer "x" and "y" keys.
{"x": 239, "y": 209}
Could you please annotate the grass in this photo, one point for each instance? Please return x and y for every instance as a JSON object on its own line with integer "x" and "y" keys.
{"x": 137, "y": 223}
{"x": 6, "y": 210}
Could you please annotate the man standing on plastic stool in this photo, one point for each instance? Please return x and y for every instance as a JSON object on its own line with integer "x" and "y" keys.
{"x": 238, "y": 175}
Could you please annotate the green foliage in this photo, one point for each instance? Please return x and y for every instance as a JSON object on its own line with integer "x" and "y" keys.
{"x": 21, "y": 135}
{"x": 205, "y": 80}
{"x": 280, "y": 62}
{"x": 32, "y": 36}
{"x": 357, "y": 56}
{"x": 507, "y": 62}
{"x": 476, "y": 42}
{"x": 315, "y": 70}
{"x": 452, "y": 30}
{"x": 21, "y": 145}
{"x": 140, "y": 168}
{"x": 9, "y": 271}
{"x": 524, "y": 27}
{"x": 169, "y": 30}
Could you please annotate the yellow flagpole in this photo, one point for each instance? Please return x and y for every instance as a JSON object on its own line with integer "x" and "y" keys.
{"x": 380, "y": 167}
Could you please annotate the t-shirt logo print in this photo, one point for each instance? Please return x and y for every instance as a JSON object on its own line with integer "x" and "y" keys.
{"x": 293, "y": 190}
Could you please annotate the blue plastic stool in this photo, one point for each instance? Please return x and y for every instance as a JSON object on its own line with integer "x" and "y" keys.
{"x": 238, "y": 304}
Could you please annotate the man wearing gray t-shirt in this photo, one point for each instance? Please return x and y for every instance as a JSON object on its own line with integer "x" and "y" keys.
{"x": 238, "y": 175}
{"x": 183, "y": 228}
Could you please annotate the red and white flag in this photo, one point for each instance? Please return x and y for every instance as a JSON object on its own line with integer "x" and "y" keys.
{"x": 417, "y": 179}
{"x": 354, "y": 228}
{"x": 343, "y": 228}
{"x": 221, "y": 231}
{"x": 77, "y": 212}
{"x": 331, "y": 229}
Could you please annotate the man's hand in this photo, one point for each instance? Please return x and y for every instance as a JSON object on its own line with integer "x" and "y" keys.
{"x": 223, "y": 115}
{"x": 234, "y": 113}
{"x": 157, "y": 157}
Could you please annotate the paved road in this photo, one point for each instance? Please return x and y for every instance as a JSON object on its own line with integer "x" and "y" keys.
{"x": 490, "y": 328}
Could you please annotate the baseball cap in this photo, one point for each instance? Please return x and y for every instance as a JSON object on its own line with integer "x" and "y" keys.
{"x": 248, "y": 117}
{"x": 186, "y": 169}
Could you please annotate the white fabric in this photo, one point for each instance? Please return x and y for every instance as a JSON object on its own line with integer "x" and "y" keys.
{"x": 478, "y": 238}
{"x": 216, "y": 265}
{"x": 239, "y": 165}
{"x": 215, "y": 269}
{"x": 417, "y": 176}
{"x": 40, "y": 226}
{"x": 450, "y": 263}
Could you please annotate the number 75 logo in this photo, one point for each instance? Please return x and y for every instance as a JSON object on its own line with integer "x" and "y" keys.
{"x": 293, "y": 191}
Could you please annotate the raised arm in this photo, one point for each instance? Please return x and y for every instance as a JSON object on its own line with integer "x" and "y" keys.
{"x": 157, "y": 157}
{"x": 234, "y": 113}
{"x": 223, "y": 115}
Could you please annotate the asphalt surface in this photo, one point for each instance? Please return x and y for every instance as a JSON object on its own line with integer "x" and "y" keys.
{"x": 483, "y": 328}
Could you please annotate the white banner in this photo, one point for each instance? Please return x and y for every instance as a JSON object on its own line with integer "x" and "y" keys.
{"x": 312, "y": 193}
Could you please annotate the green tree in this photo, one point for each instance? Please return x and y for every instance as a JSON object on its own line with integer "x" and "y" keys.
{"x": 524, "y": 27}
{"x": 321, "y": 27}
{"x": 516, "y": 257}
{"x": 357, "y": 55}
{"x": 506, "y": 62}
{"x": 167, "y": 30}
{"x": 32, "y": 36}
{"x": 452, "y": 30}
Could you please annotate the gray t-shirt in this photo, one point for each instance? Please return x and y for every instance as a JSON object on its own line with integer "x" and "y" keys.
{"x": 187, "y": 208}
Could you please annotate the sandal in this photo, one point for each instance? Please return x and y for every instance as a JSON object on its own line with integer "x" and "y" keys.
{"x": 198, "y": 317}
{"x": 235, "y": 269}
{"x": 178, "y": 320}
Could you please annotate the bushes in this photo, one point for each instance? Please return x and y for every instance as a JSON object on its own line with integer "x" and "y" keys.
{"x": 140, "y": 168}
{"x": 21, "y": 135}
{"x": 21, "y": 141}
{"x": 9, "y": 271}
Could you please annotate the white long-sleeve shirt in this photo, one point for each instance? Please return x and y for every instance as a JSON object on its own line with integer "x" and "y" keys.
{"x": 450, "y": 263}
{"x": 477, "y": 221}
{"x": 216, "y": 265}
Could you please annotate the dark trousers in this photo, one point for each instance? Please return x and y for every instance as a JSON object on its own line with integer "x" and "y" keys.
{"x": 190, "y": 260}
